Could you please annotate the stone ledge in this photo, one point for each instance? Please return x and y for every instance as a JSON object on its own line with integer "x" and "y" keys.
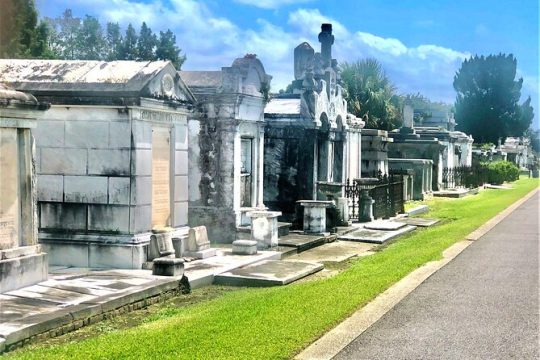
{"x": 17, "y": 252}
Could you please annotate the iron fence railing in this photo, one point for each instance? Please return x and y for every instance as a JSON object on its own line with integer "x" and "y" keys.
{"x": 464, "y": 176}
{"x": 386, "y": 191}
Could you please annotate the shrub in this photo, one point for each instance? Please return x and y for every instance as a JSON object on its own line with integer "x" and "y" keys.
{"x": 501, "y": 171}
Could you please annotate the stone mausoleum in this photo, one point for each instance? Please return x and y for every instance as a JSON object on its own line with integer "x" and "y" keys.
{"x": 22, "y": 261}
{"x": 226, "y": 138}
{"x": 311, "y": 144}
{"x": 112, "y": 157}
{"x": 435, "y": 139}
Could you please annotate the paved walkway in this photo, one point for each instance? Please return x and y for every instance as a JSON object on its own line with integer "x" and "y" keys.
{"x": 482, "y": 305}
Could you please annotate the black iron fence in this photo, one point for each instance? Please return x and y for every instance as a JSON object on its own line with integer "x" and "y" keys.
{"x": 386, "y": 191}
{"x": 465, "y": 176}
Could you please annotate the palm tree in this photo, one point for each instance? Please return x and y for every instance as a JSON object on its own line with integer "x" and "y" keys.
{"x": 371, "y": 94}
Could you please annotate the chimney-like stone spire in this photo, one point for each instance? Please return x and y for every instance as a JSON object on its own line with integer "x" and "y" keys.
{"x": 326, "y": 39}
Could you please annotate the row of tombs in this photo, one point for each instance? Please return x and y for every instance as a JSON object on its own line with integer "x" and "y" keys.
{"x": 127, "y": 152}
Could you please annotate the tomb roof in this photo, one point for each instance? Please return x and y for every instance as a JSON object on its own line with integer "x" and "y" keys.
{"x": 84, "y": 73}
{"x": 286, "y": 106}
{"x": 202, "y": 78}
{"x": 87, "y": 77}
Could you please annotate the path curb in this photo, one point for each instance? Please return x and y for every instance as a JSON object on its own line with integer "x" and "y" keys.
{"x": 343, "y": 334}
{"x": 490, "y": 224}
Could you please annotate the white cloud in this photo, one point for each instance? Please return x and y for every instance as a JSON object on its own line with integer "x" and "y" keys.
{"x": 390, "y": 46}
{"x": 211, "y": 41}
{"x": 271, "y": 4}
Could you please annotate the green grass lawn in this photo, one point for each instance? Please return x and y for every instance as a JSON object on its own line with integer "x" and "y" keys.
{"x": 276, "y": 323}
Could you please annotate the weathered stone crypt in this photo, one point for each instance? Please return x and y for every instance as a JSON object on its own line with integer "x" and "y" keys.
{"x": 112, "y": 157}
{"x": 307, "y": 154}
{"x": 226, "y": 146}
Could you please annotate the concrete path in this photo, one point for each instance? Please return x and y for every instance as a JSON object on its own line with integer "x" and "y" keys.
{"x": 482, "y": 305}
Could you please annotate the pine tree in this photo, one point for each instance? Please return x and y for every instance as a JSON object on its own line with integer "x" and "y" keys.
{"x": 167, "y": 49}
{"x": 69, "y": 28}
{"x": 40, "y": 47}
{"x": 146, "y": 43}
{"x": 28, "y": 23}
{"x": 128, "y": 50}
{"x": 113, "y": 40}
{"x": 20, "y": 34}
{"x": 90, "y": 41}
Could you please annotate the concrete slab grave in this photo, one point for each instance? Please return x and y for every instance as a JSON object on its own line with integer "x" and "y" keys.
{"x": 301, "y": 242}
{"x": 420, "y": 209}
{"x": 375, "y": 236}
{"x": 416, "y": 221}
{"x": 384, "y": 225}
{"x": 201, "y": 272}
{"x": 70, "y": 299}
{"x": 268, "y": 273}
{"x": 337, "y": 251}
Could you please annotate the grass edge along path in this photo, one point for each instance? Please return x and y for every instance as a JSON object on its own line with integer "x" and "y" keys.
{"x": 277, "y": 323}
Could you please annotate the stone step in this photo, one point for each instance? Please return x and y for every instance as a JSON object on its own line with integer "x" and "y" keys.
{"x": 285, "y": 251}
{"x": 268, "y": 273}
{"x": 301, "y": 242}
{"x": 284, "y": 228}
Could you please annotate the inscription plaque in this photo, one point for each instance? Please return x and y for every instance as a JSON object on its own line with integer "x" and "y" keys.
{"x": 9, "y": 189}
{"x": 161, "y": 174}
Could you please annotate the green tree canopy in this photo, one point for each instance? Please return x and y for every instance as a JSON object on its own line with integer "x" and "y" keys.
{"x": 167, "y": 49}
{"x": 487, "y": 99}
{"x": 113, "y": 40}
{"x": 534, "y": 137}
{"x": 21, "y": 35}
{"x": 69, "y": 37}
{"x": 128, "y": 49}
{"x": 524, "y": 118}
{"x": 90, "y": 40}
{"x": 67, "y": 29}
{"x": 146, "y": 43}
{"x": 371, "y": 95}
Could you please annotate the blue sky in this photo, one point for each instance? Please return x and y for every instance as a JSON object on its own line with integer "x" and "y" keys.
{"x": 420, "y": 43}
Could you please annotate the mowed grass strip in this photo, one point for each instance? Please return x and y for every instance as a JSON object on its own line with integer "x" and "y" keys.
{"x": 276, "y": 323}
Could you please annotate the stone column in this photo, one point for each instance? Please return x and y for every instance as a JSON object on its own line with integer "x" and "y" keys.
{"x": 22, "y": 262}
{"x": 425, "y": 178}
{"x": 260, "y": 164}
{"x": 322, "y": 160}
{"x": 264, "y": 228}
{"x": 315, "y": 215}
